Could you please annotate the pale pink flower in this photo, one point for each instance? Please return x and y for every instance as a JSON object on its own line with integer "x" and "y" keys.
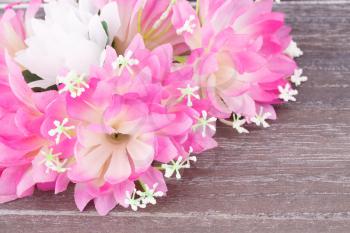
{"x": 152, "y": 19}
{"x": 12, "y": 32}
{"x": 238, "y": 55}
{"x": 124, "y": 126}
{"x": 24, "y": 142}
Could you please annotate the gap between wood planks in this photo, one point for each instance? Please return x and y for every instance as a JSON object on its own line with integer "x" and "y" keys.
{"x": 202, "y": 215}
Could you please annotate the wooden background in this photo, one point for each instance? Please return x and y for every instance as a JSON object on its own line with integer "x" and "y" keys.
{"x": 292, "y": 177}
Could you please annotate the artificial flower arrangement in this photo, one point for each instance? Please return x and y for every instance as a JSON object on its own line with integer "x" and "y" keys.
{"x": 114, "y": 96}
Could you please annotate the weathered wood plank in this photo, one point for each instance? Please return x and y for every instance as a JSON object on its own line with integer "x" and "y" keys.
{"x": 171, "y": 224}
{"x": 292, "y": 177}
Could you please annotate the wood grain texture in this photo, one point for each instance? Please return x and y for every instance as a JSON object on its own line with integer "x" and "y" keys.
{"x": 292, "y": 177}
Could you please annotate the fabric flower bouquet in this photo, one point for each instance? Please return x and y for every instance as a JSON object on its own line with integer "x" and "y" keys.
{"x": 114, "y": 96}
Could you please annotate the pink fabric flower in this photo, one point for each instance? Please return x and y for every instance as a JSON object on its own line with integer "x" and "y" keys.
{"x": 125, "y": 125}
{"x": 14, "y": 27}
{"x": 152, "y": 19}
{"x": 22, "y": 115}
{"x": 21, "y": 140}
{"x": 238, "y": 55}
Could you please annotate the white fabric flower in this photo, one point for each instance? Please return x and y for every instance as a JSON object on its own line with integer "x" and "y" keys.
{"x": 204, "y": 123}
{"x": 149, "y": 194}
{"x": 134, "y": 202}
{"x": 188, "y": 93}
{"x": 61, "y": 129}
{"x": 180, "y": 163}
{"x": 261, "y": 117}
{"x": 287, "y": 93}
{"x": 238, "y": 123}
{"x": 71, "y": 36}
{"x": 298, "y": 78}
{"x": 293, "y": 50}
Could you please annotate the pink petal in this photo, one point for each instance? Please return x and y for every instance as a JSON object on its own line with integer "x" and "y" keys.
{"x": 62, "y": 183}
{"x": 105, "y": 203}
{"x": 18, "y": 84}
{"x": 89, "y": 166}
{"x": 119, "y": 167}
{"x": 209, "y": 65}
{"x": 166, "y": 150}
{"x": 25, "y": 186}
{"x": 141, "y": 153}
{"x": 8, "y": 183}
{"x": 81, "y": 196}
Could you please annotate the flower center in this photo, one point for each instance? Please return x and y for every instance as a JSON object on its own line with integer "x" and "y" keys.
{"x": 118, "y": 138}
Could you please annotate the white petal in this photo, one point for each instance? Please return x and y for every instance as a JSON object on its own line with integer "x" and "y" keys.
{"x": 110, "y": 14}
{"x": 88, "y": 6}
{"x": 97, "y": 33}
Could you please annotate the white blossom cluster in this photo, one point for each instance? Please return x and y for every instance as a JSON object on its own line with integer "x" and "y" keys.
{"x": 140, "y": 199}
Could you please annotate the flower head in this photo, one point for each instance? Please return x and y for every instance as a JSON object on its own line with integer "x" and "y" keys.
{"x": 297, "y": 77}
{"x": 176, "y": 166}
{"x": 126, "y": 61}
{"x": 61, "y": 129}
{"x": 149, "y": 194}
{"x": 293, "y": 50}
{"x": 154, "y": 20}
{"x": 261, "y": 117}
{"x": 73, "y": 83}
{"x": 71, "y": 36}
{"x": 23, "y": 115}
{"x": 204, "y": 123}
{"x": 188, "y": 93}
{"x": 238, "y": 123}
{"x": 134, "y": 202}
{"x": 237, "y": 64}
{"x": 123, "y": 123}
{"x": 53, "y": 162}
{"x": 287, "y": 93}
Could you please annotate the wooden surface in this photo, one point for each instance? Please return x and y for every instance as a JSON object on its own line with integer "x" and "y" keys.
{"x": 292, "y": 177}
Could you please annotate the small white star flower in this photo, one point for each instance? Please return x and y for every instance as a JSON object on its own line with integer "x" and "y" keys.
{"x": 188, "y": 93}
{"x": 149, "y": 195}
{"x": 260, "y": 119}
{"x": 297, "y": 77}
{"x": 73, "y": 83}
{"x": 188, "y": 26}
{"x": 52, "y": 161}
{"x": 205, "y": 123}
{"x": 237, "y": 124}
{"x": 60, "y": 129}
{"x": 134, "y": 202}
{"x": 293, "y": 50}
{"x": 126, "y": 61}
{"x": 287, "y": 93}
{"x": 176, "y": 166}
